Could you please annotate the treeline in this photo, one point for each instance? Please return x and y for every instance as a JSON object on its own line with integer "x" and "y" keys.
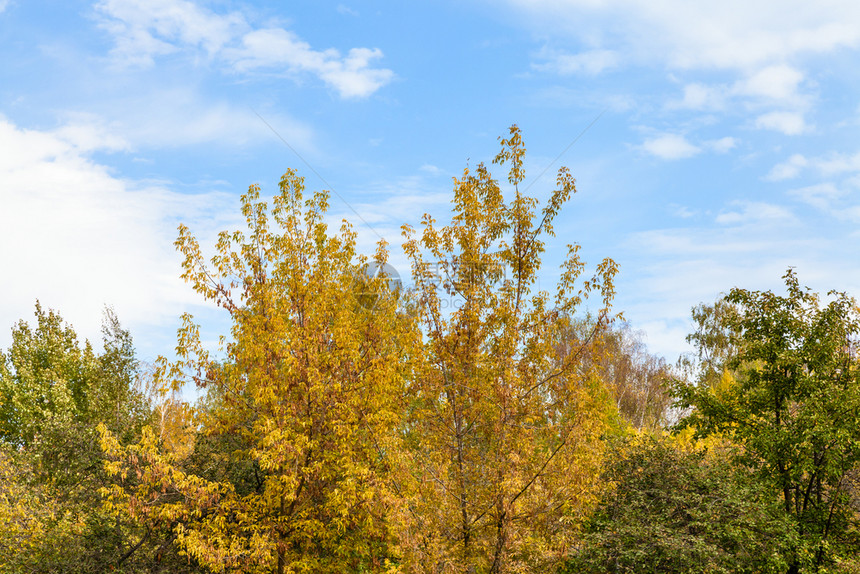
{"x": 470, "y": 424}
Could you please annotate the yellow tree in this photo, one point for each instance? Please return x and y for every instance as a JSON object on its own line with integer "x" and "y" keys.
{"x": 307, "y": 391}
{"x": 505, "y": 420}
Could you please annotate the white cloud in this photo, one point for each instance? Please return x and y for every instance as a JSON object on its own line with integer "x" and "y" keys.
{"x": 820, "y": 196}
{"x": 682, "y": 211}
{"x": 722, "y": 145}
{"x": 181, "y": 116}
{"x": 851, "y": 214}
{"x": 699, "y": 96}
{"x": 754, "y": 212}
{"x": 777, "y": 82}
{"x": 153, "y": 117}
{"x": 557, "y": 96}
{"x": 756, "y": 44}
{"x": 386, "y": 206}
{"x": 829, "y": 165}
{"x": 88, "y": 132}
{"x": 763, "y": 89}
{"x": 351, "y": 76}
{"x": 789, "y": 123}
{"x": 346, "y": 11}
{"x": 667, "y": 271}
{"x": 431, "y": 169}
{"x": 853, "y": 181}
{"x": 676, "y": 146}
{"x": 3, "y": 5}
{"x": 670, "y": 147}
{"x": 789, "y": 169}
{"x": 836, "y": 164}
{"x": 146, "y": 29}
{"x": 78, "y": 238}
{"x": 830, "y": 200}
{"x": 590, "y": 62}
{"x": 734, "y": 34}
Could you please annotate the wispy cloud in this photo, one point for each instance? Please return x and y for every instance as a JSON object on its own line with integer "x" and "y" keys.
{"x": 670, "y": 147}
{"x": 820, "y": 196}
{"x": 830, "y": 165}
{"x": 722, "y": 145}
{"x": 788, "y": 169}
{"x": 789, "y": 123}
{"x": 839, "y": 163}
{"x": 756, "y": 57}
{"x": 682, "y": 211}
{"x": 351, "y": 75}
{"x": 776, "y": 85}
{"x": 590, "y": 62}
{"x": 85, "y": 133}
{"x": 667, "y": 271}
{"x": 698, "y": 96}
{"x": 754, "y": 212}
{"x": 346, "y": 10}
{"x": 735, "y": 34}
{"x": 144, "y": 30}
{"x": 386, "y": 205}
{"x": 777, "y": 82}
{"x": 170, "y": 117}
{"x": 830, "y": 199}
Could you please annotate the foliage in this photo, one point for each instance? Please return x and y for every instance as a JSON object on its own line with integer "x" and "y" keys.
{"x": 474, "y": 424}
{"x": 45, "y": 379}
{"x": 637, "y": 380}
{"x": 302, "y": 406}
{"x": 671, "y": 510}
{"x": 54, "y": 392}
{"x": 504, "y": 421}
{"x": 715, "y": 344}
{"x": 794, "y": 406}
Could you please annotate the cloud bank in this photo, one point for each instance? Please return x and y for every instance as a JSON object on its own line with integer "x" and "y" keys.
{"x": 78, "y": 238}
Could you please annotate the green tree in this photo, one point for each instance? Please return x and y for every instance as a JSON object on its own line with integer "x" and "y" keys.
{"x": 793, "y": 406}
{"x": 504, "y": 421}
{"x": 49, "y": 380}
{"x": 677, "y": 511}
{"x": 301, "y": 405}
{"x": 44, "y": 379}
{"x": 54, "y": 390}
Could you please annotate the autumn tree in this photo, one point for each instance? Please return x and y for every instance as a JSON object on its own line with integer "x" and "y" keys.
{"x": 714, "y": 342}
{"x": 504, "y": 423}
{"x": 637, "y": 380}
{"x": 302, "y": 402}
{"x": 793, "y": 405}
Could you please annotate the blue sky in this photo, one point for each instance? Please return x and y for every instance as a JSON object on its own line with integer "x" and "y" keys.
{"x": 725, "y": 147}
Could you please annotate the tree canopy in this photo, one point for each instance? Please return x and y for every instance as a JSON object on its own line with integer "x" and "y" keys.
{"x": 505, "y": 416}
{"x": 471, "y": 422}
{"x": 792, "y": 403}
{"x": 309, "y": 387}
